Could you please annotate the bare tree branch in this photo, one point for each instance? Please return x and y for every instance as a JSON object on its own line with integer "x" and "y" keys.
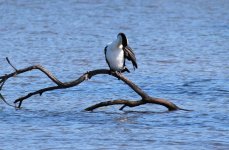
{"x": 10, "y": 64}
{"x": 116, "y": 102}
{"x": 63, "y": 85}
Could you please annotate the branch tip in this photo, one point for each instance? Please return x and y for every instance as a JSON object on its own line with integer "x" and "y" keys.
{"x": 122, "y": 107}
{"x": 7, "y": 59}
{"x": 19, "y": 105}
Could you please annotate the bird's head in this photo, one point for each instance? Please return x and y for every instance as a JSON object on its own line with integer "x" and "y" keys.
{"x": 122, "y": 38}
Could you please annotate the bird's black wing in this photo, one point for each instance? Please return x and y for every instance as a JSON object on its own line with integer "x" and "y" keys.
{"x": 129, "y": 54}
{"x": 105, "y": 51}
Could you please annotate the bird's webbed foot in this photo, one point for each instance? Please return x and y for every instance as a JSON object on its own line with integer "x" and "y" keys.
{"x": 125, "y": 69}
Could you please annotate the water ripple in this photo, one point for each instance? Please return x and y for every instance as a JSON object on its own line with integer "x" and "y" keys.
{"x": 182, "y": 52}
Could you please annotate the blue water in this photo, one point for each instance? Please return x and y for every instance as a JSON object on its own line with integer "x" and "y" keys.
{"x": 182, "y": 49}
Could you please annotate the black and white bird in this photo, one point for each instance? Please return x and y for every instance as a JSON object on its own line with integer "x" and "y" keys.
{"x": 117, "y": 52}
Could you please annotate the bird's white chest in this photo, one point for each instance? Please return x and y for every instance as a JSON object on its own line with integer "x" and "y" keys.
{"x": 115, "y": 57}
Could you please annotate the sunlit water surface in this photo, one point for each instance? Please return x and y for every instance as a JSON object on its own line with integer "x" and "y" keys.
{"x": 182, "y": 49}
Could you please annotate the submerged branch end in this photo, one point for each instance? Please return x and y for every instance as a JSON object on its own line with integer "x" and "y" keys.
{"x": 125, "y": 103}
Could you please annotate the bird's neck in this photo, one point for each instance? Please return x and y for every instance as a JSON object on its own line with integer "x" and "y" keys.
{"x": 117, "y": 43}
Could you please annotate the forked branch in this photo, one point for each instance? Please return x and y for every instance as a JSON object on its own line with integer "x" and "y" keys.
{"x": 63, "y": 85}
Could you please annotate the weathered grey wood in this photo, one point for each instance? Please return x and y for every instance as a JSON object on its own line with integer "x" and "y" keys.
{"x": 63, "y": 85}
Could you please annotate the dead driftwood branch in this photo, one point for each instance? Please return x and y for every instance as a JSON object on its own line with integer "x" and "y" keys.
{"x": 145, "y": 98}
